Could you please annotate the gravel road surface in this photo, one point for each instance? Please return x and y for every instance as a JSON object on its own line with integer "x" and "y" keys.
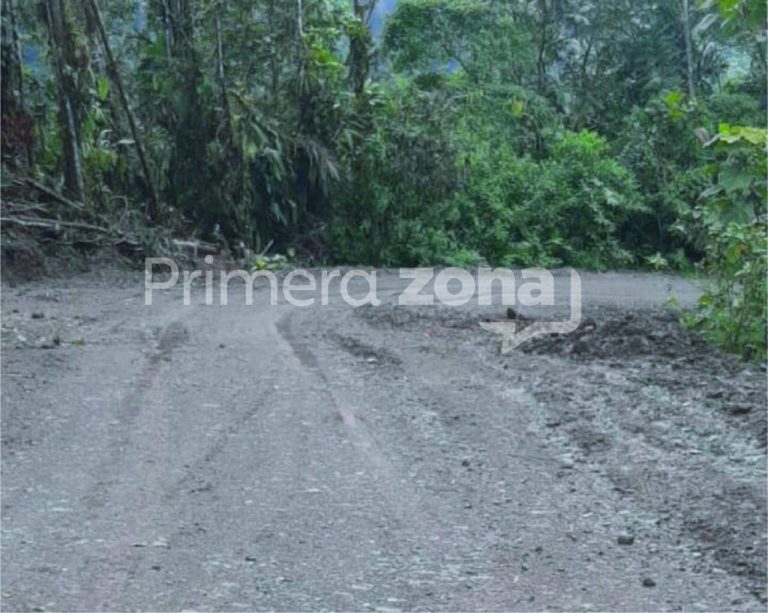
{"x": 260, "y": 457}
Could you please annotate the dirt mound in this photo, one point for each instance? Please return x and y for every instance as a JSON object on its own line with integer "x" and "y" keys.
{"x": 624, "y": 335}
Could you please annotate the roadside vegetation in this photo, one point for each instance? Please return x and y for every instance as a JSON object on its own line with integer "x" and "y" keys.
{"x": 603, "y": 134}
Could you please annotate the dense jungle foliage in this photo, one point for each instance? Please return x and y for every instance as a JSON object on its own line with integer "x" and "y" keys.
{"x": 591, "y": 133}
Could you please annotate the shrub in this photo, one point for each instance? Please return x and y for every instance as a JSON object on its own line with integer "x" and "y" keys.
{"x": 660, "y": 147}
{"x": 733, "y": 311}
{"x": 566, "y": 209}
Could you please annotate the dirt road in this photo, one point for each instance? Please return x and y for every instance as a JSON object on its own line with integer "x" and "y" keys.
{"x": 380, "y": 458}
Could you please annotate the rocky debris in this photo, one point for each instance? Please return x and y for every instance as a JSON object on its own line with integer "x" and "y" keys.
{"x": 738, "y": 409}
{"x": 625, "y": 539}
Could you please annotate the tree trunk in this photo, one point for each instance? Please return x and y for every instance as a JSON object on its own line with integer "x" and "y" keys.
{"x": 152, "y": 203}
{"x": 11, "y": 91}
{"x": 167, "y": 18}
{"x": 543, "y": 45}
{"x": 56, "y": 20}
{"x": 360, "y": 45}
{"x": 226, "y": 124}
{"x": 690, "y": 75}
{"x": 221, "y": 77}
{"x": 272, "y": 51}
{"x": 299, "y": 20}
{"x": 18, "y": 126}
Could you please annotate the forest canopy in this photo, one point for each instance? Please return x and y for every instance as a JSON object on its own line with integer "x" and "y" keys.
{"x": 597, "y": 134}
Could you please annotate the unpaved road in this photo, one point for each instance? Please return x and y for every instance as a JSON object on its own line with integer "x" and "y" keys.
{"x": 270, "y": 457}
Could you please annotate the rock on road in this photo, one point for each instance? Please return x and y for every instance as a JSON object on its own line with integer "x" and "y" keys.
{"x": 265, "y": 457}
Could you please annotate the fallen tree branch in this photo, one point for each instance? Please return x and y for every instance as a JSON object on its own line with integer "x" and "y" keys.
{"x": 50, "y": 193}
{"x": 54, "y": 224}
{"x": 23, "y": 207}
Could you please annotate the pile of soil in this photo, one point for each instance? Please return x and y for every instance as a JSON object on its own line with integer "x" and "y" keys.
{"x": 622, "y": 335}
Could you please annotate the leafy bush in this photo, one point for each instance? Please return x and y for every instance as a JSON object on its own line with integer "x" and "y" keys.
{"x": 659, "y": 145}
{"x": 733, "y": 312}
{"x": 568, "y": 208}
{"x": 734, "y": 107}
